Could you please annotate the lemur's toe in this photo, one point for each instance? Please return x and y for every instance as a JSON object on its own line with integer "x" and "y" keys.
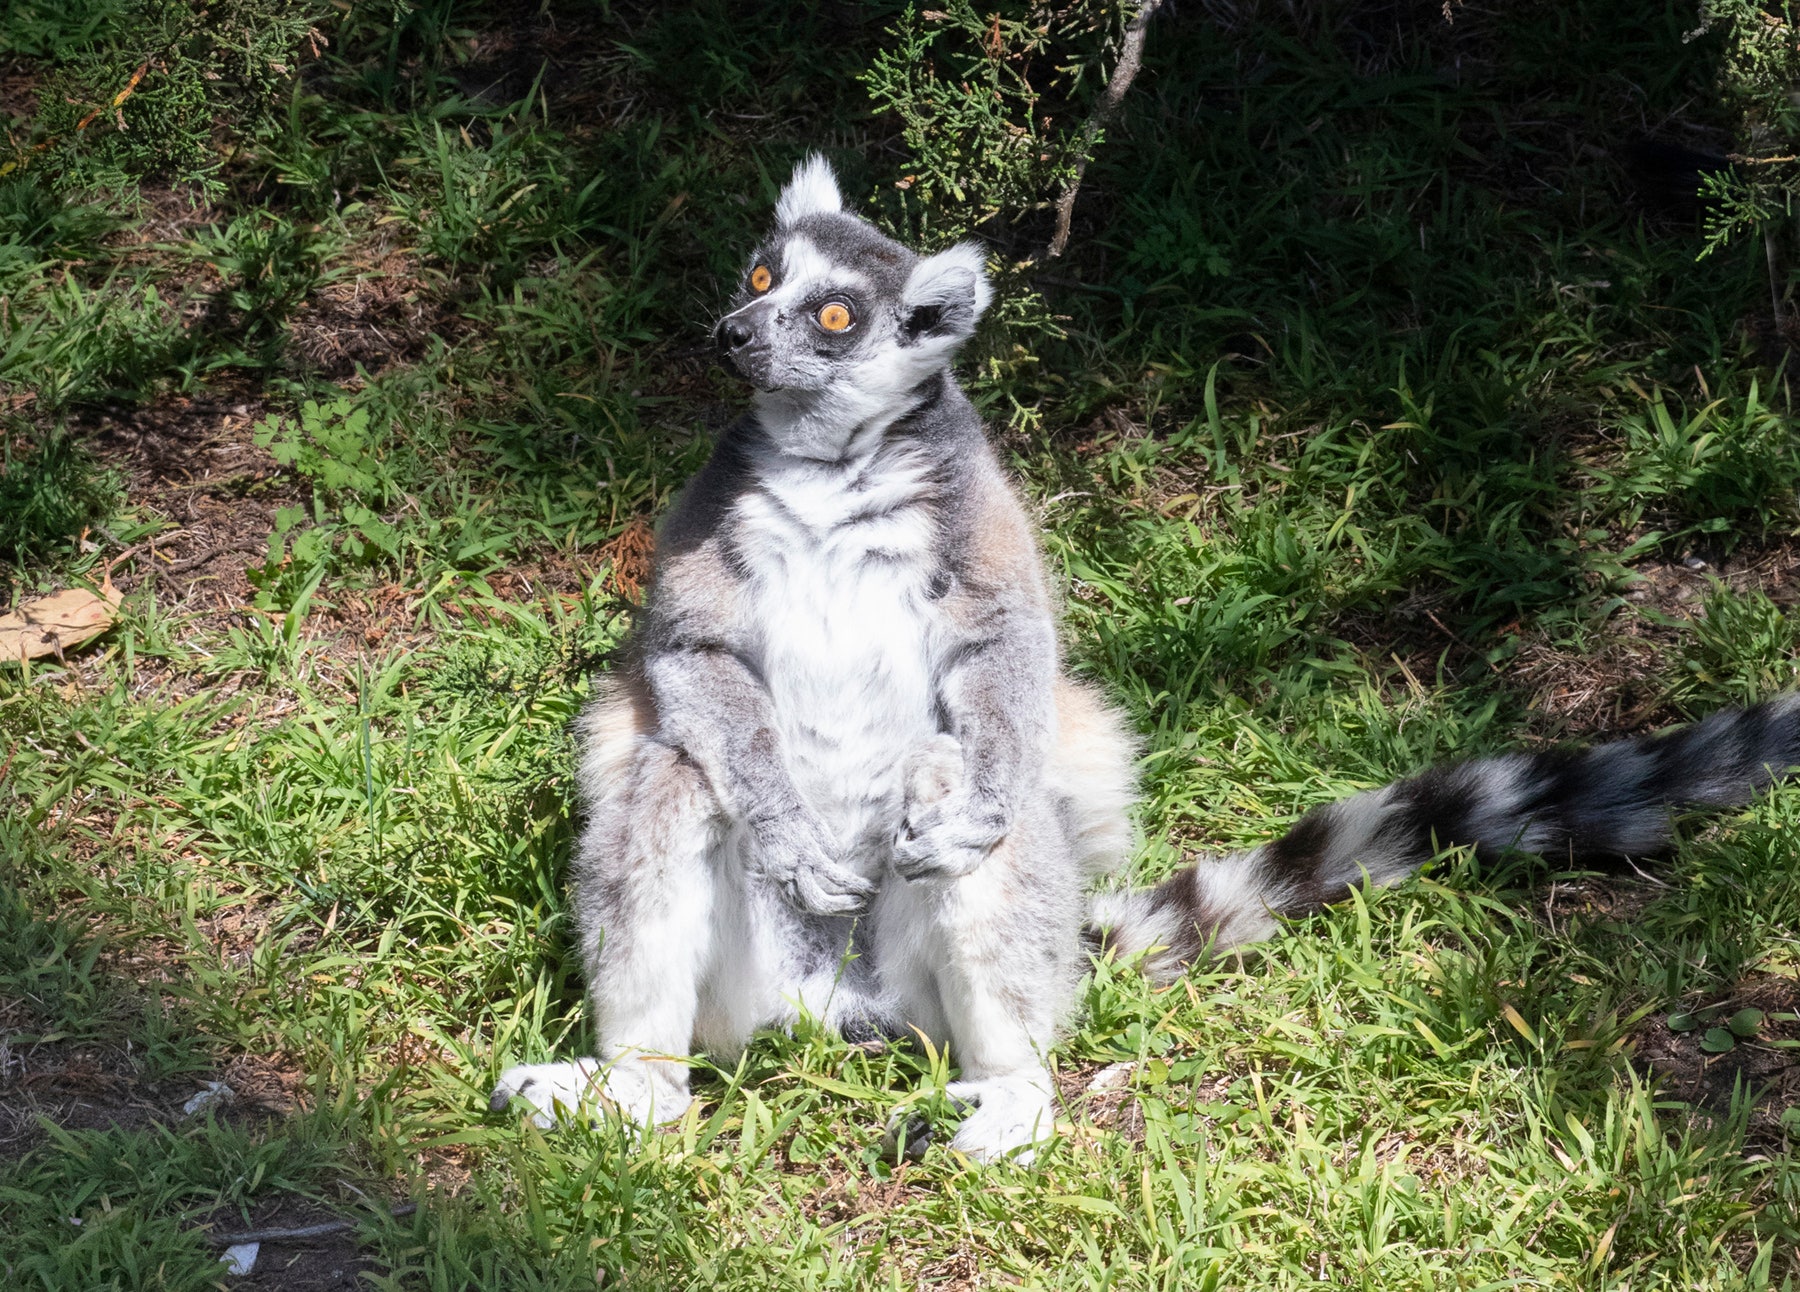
{"x": 554, "y": 1091}
{"x": 1013, "y": 1117}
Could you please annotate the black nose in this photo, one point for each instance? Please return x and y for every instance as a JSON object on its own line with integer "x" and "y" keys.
{"x": 734, "y": 334}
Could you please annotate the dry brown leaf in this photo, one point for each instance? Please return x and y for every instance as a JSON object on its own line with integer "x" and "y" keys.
{"x": 52, "y": 625}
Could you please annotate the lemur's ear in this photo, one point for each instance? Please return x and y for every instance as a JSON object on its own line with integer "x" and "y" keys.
{"x": 812, "y": 191}
{"x": 948, "y": 293}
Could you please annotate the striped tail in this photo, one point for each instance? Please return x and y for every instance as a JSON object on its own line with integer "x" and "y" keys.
{"x": 1611, "y": 801}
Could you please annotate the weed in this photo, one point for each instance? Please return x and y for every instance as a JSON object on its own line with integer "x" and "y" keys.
{"x": 1730, "y": 469}
{"x": 331, "y": 445}
{"x": 1741, "y": 650}
{"x": 50, "y": 488}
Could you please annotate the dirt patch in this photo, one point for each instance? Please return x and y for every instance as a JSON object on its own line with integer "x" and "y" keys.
{"x": 86, "y": 1086}
{"x": 849, "y": 1197}
{"x": 75, "y": 1088}
{"x": 380, "y": 314}
{"x": 1613, "y": 684}
{"x": 315, "y": 1263}
{"x": 1102, "y": 1096}
{"x": 1765, "y": 1068}
{"x": 1614, "y": 681}
{"x": 163, "y": 216}
{"x": 193, "y": 461}
{"x": 18, "y": 90}
{"x": 1677, "y": 588}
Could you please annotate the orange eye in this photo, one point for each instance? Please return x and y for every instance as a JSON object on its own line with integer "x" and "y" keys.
{"x": 834, "y": 317}
{"x": 760, "y": 279}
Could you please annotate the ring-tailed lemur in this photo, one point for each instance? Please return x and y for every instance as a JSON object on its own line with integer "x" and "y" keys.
{"x": 845, "y": 773}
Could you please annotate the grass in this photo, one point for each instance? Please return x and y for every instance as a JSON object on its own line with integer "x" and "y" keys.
{"x": 1373, "y": 419}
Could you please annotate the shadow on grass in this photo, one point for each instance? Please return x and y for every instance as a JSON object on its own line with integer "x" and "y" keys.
{"x": 128, "y": 1137}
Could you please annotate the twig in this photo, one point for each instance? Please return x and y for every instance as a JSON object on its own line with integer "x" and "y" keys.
{"x": 1772, "y": 254}
{"x": 195, "y": 562}
{"x": 324, "y": 1229}
{"x": 1075, "y": 284}
{"x": 1131, "y": 57}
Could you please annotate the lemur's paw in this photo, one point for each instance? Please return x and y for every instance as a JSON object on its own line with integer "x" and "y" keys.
{"x": 561, "y": 1093}
{"x": 1013, "y": 1115}
{"x": 950, "y": 837}
{"x": 797, "y": 853}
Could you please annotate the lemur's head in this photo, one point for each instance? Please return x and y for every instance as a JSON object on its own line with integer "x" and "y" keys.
{"x": 836, "y": 324}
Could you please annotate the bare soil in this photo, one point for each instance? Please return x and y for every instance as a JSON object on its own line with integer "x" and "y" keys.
{"x": 1766, "y": 1072}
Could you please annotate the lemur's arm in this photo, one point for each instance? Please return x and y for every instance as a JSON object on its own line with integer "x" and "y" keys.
{"x": 712, "y": 706}
{"x": 996, "y": 689}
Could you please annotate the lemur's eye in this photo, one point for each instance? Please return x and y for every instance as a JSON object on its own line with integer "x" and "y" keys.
{"x": 760, "y": 279}
{"x": 834, "y": 316}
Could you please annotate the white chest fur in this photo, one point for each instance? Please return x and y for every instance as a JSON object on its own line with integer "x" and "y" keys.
{"x": 840, "y": 561}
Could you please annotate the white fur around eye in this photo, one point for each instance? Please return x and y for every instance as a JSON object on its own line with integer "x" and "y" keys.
{"x": 812, "y": 191}
{"x": 804, "y": 268}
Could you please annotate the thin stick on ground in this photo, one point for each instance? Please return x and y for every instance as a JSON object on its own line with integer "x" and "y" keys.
{"x": 302, "y": 1233}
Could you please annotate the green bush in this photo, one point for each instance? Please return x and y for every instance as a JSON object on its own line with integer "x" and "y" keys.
{"x": 49, "y": 489}
{"x": 163, "y": 88}
{"x": 1757, "y": 74}
{"x": 992, "y": 105}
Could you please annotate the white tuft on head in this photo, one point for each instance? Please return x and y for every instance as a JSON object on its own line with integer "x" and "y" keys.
{"x": 812, "y": 191}
{"x": 954, "y": 281}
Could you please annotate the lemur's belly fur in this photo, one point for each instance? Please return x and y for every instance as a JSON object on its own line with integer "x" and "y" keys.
{"x": 841, "y": 597}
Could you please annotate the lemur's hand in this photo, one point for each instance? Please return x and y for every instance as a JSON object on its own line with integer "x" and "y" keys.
{"x": 950, "y": 837}
{"x": 796, "y": 852}
{"x": 950, "y": 828}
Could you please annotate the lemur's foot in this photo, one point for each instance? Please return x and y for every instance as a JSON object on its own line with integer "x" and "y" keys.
{"x": 1013, "y": 1115}
{"x": 585, "y": 1089}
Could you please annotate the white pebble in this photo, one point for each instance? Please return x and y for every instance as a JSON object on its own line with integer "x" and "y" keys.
{"x": 240, "y": 1259}
{"x": 211, "y": 1095}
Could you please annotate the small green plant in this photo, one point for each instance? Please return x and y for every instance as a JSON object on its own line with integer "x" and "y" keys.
{"x": 487, "y": 205}
{"x": 268, "y": 265}
{"x": 331, "y": 444}
{"x": 38, "y": 224}
{"x": 1719, "y": 1032}
{"x": 1744, "y": 648}
{"x": 1729, "y": 466}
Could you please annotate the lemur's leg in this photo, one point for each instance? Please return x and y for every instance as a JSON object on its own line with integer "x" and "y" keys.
{"x": 645, "y": 888}
{"x": 990, "y": 962}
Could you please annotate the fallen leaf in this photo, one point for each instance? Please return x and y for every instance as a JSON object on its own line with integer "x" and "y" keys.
{"x": 52, "y": 625}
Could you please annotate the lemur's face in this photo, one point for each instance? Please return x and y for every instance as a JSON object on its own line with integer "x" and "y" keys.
{"x": 835, "y": 323}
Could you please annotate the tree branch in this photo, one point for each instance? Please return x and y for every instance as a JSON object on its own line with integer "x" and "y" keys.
{"x": 1131, "y": 58}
